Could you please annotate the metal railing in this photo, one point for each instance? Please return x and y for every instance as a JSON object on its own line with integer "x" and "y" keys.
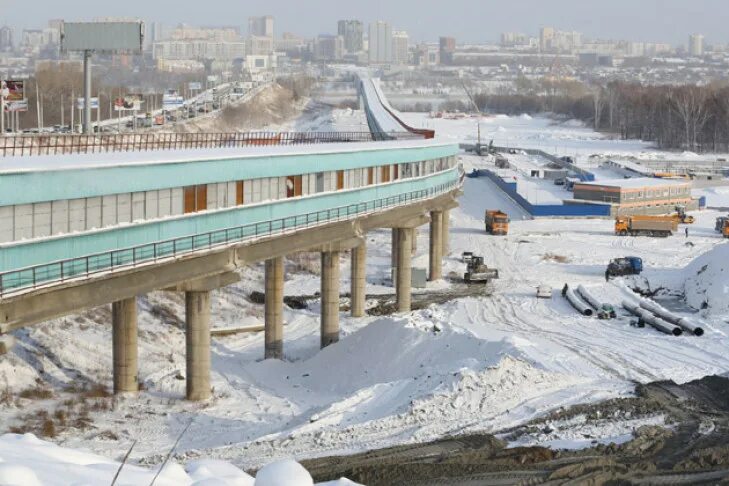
{"x": 19, "y": 280}
{"x": 62, "y": 144}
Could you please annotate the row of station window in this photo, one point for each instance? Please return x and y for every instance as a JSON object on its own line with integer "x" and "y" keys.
{"x": 27, "y": 221}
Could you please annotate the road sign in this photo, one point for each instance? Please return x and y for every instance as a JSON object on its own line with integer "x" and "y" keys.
{"x": 94, "y": 103}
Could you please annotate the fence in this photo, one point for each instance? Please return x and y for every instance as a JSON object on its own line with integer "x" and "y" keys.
{"x": 60, "y": 144}
{"x": 15, "y": 281}
{"x": 547, "y": 210}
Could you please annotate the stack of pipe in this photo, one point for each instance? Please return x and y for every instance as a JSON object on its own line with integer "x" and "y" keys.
{"x": 666, "y": 315}
{"x": 652, "y": 320}
{"x": 578, "y": 303}
{"x": 591, "y": 299}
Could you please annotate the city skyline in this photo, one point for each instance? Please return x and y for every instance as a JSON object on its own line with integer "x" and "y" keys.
{"x": 650, "y": 21}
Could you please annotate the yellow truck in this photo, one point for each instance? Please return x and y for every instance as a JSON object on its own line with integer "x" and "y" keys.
{"x": 659, "y": 226}
{"x": 497, "y": 222}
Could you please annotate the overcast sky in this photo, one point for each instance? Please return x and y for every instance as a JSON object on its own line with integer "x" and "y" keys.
{"x": 467, "y": 20}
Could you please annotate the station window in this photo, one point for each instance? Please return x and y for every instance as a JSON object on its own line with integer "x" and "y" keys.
{"x": 196, "y": 198}
{"x": 319, "y": 182}
{"x": 385, "y": 173}
{"x": 294, "y": 186}
{"x": 239, "y": 193}
{"x": 396, "y": 172}
{"x": 370, "y": 176}
{"x": 340, "y": 180}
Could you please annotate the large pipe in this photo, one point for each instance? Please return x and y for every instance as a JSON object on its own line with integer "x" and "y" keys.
{"x": 666, "y": 315}
{"x": 603, "y": 307}
{"x": 589, "y": 298}
{"x": 652, "y": 320}
{"x": 577, "y": 303}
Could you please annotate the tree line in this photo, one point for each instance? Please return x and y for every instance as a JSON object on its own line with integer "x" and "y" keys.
{"x": 686, "y": 117}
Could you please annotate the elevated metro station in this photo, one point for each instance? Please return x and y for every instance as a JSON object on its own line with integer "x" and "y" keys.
{"x": 81, "y": 230}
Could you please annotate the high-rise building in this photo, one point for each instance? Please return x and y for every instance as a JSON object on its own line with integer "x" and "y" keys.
{"x": 6, "y": 38}
{"x": 380, "y": 43}
{"x": 546, "y": 36}
{"x": 260, "y": 26}
{"x": 400, "y": 46}
{"x": 447, "y": 49}
{"x": 696, "y": 45}
{"x": 328, "y": 47}
{"x": 352, "y": 32}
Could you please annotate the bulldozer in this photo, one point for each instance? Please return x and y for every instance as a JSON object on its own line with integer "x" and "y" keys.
{"x": 477, "y": 272}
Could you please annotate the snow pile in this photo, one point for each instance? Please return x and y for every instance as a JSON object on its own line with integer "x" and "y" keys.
{"x": 28, "y": 461}
{"x": 707, "y": 281}
{"x": 284, "y": 473}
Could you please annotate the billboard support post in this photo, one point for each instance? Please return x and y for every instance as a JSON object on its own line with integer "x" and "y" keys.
{"x": 87, "y": 92}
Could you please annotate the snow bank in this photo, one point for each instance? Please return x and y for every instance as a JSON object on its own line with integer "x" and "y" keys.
{"x": 707, "y": 281}
{"x": 26, "y": 460}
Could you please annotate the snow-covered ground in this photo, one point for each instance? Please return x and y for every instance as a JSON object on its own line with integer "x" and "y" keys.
{"x": 474, "y": 364}
{"x": 28, "y": 461}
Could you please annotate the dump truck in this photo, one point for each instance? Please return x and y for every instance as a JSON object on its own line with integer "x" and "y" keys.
{"x": 497, "y": 222}
{"x": 725, "y": 228}
{"x": 620, "y": 267}
{"x": 721, "y": 224}
{"x": 681, "y": 216}
{"x": 658, "y": 226}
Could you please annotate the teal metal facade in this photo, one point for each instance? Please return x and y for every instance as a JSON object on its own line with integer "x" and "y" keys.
{"x": 33, "y": 186}
{"x": 37, "y": 252}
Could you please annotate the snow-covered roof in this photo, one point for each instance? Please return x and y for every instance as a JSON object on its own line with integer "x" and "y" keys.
{"x": 636, "y": 182}
{"x": 12, "y": 164}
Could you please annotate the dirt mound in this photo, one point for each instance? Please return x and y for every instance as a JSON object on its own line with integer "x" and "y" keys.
{"x": 272, "y": 106}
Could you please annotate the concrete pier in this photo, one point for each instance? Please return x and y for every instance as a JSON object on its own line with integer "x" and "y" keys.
{"x": 393, "y": 253}
{"x": 329, "y": 298}
{"x": 358, "y": 280}
{"x": 197, "y": 316}
{"x": 446, "y": 247}
{"x": 403, "y": 282}
{"x": 436, "y": 245}
{"x": 124, "y": 345}
{"x": 274, "y": 277}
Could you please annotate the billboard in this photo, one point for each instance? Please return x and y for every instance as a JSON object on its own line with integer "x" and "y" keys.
{"x": 130, "y": 102}
{"x": 94, "y": 103}
{"x": 109, "y": 37}
{"x": 171, "y": 99}
{"x": 14, "y": 93}
{"x": 194, "y": 85}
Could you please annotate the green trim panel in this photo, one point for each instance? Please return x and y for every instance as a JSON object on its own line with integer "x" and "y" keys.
{"x": 70, "y": 246}
{"x": 54, "y": 185}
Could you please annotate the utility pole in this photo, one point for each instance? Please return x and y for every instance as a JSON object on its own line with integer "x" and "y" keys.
{"x": 87, "y": 92}
{"x": 3, "y": 94}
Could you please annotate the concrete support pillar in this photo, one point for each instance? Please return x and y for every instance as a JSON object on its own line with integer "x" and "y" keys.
{"x": 197, "y": 316}
{"x": 124, "y": 345}
{"x": 436, "y": 242}
{"x": 358, "y": 280}
{"x": 393, "y": 253}
{"x": 446, "y": 232}
{"x": 404, "y": 269}
{"x": 415, "y": 242}
{"x": 274, "y": 308}
{"x": 329, "y": 298}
